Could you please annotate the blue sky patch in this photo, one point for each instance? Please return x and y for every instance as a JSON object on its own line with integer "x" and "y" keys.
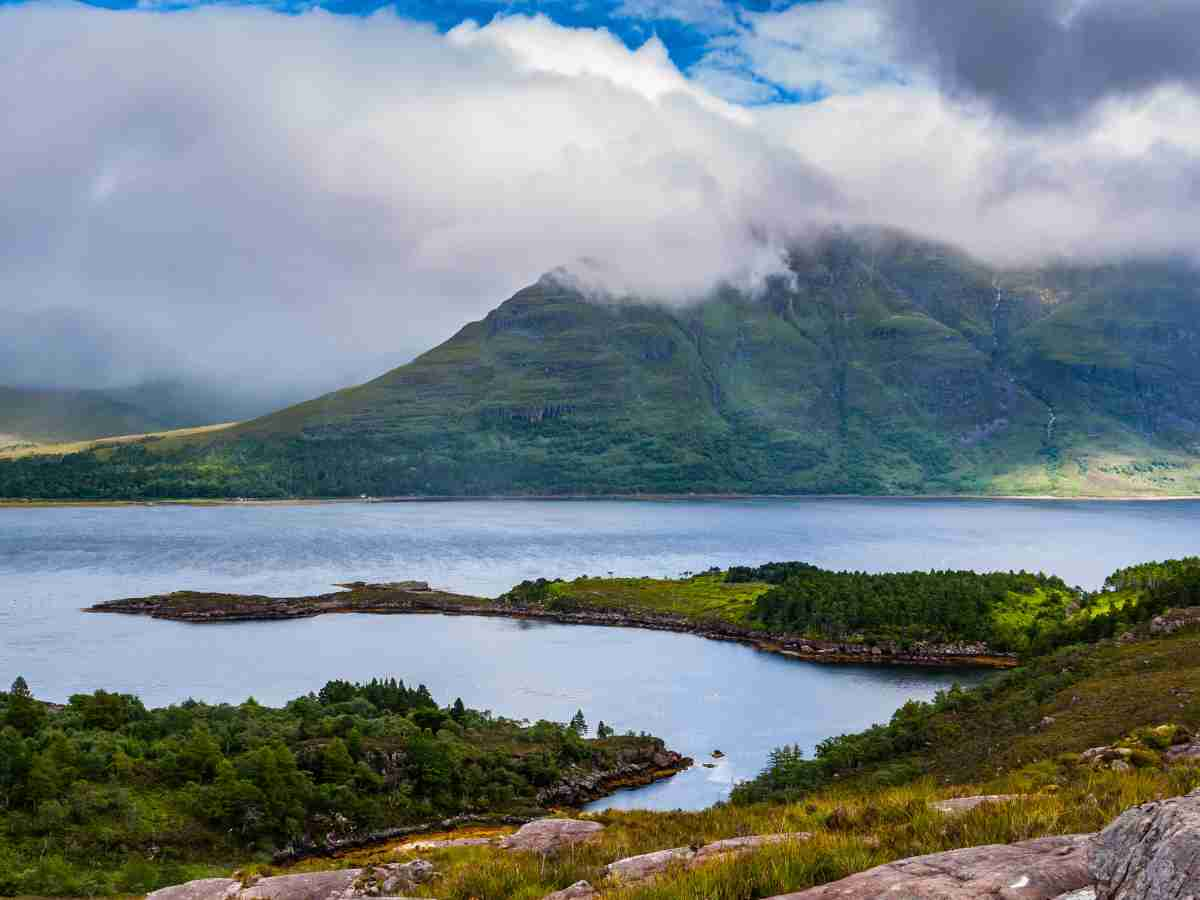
{"x": 688, "y": 28}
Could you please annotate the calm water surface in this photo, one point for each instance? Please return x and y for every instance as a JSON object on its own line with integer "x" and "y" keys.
{"x": 699, "y": 695}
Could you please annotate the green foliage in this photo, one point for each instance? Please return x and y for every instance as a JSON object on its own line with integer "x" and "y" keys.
{"x": 1091, "y": 694}
{"x": 578, "y": 723}
{"x": 104, "y": 795}
{"x": 938, "y": 605}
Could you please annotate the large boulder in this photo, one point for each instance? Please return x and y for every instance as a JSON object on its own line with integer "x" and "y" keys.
{"x": 577, "y": 891}
{"x": 342, "y": 884}
{"x": 201, "y": 889}
{"x": 305, "y": 886}
{"x": 647, "y": 865}
{"x": 1032, "y": 870}
{"x": 745, "y": 844}
{"x": 1151, "y": 852}
{"x": 551, "y": 835}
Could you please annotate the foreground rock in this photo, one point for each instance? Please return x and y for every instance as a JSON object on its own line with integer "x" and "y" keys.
{"x": 576, "y": 891}
{"x": 1151, "y": 852}
{"x": 744, "y": 844}
{"x": 344, "y": 884}
{"x": 551, "y": 835}
{"x": 1033, "y": 870}
{"x": 964, "y": 804}
{"x": 414, "y": 846}
{"x": 648, "y": 865}
{"x": 1184, "y": 754}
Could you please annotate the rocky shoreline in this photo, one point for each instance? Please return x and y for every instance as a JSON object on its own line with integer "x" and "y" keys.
{"x": 414, "y": 597}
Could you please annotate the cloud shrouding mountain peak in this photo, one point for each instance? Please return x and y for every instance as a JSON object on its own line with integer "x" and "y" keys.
{"x": 284, "y": 198}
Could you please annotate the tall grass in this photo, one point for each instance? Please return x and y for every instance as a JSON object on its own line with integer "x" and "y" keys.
{"x": 853, "y": 828}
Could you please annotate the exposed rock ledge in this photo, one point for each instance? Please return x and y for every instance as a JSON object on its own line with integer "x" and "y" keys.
{"x": 1032, "y": 870}
{"x": 416, "y": 597}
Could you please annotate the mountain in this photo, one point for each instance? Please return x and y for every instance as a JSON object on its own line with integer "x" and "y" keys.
{"x": 37, "y": 415}
{"x": 32, "y": 415}
{"x": 879, "y": 364}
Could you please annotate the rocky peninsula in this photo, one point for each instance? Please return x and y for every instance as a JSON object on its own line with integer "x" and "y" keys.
{"x": 417, "y": 597}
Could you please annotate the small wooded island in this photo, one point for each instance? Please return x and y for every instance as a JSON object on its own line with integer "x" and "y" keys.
{"x": 936, "y": 618}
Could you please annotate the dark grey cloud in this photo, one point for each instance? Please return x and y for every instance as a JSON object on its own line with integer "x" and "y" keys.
{"x": 1049, "y": 62}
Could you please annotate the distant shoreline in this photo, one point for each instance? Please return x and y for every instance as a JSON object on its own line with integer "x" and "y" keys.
{"x": 656, "y": 498}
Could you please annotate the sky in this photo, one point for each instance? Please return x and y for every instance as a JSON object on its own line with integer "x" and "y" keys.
{"x": 287, "y": 197}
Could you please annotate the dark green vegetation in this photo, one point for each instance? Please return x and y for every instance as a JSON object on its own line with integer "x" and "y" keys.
{"x": 104, "y": 796}
{"x": 883, "y": 365}
{"x": 943, "y": 606}
{"x": 1079, "y": 696}
{"x": 1010, "y": 612}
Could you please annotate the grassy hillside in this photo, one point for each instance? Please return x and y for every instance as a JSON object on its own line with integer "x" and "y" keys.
{"x": 866, "y": 798}
{"x": 882, "y": 365}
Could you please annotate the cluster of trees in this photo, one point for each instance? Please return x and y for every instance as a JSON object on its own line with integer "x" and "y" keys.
{"x": 89, "y": 789}
{"x": 940, "y": 605}
{"x": 967, "y": 725}
{"x": 1160, "y": 580}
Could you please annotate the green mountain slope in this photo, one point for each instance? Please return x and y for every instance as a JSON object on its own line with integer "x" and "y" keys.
{"x": 882, "y": 365}
{"x": 30, "y": 414}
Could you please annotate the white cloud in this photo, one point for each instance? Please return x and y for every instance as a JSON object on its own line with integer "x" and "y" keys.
{"x": 285, "y": 196}
{"x": 830, "y": 47}
{"x": 708, "y": 15}
{"x": 275, "y": 195}
{"x": 539, "y": 45}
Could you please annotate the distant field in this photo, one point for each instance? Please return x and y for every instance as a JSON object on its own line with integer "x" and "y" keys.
{"x": 700, "y": 597}
{"x": 17, "y": 448}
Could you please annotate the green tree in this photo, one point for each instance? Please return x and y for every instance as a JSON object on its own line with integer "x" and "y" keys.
{"x": 337, "y": 766}
{"x": 24, "y": 713}
{"x": 15, "y": 760}
{"x": 579, "y": 723}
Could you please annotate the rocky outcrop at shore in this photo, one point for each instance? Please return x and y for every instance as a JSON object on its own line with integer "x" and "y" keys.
{"x": 416, "y": 597}
{"x": 634, "y": 767}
